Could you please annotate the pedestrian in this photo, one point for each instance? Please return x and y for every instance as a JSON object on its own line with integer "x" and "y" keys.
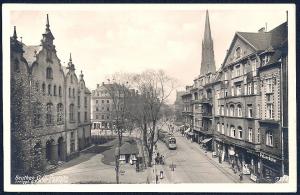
{"x": 241, "y": 176}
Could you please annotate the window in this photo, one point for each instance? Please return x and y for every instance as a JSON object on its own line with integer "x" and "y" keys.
{"x": 97, "y": 117}
{"x": 85, "y": 116}
{"x": 253, "y": 66}
{"x": 71, "y": 110}
{"x": 269, "y": 97}
{"x": 54, "y": 90}
{"x": 69, "y": 92}
{"x": 245, "y": 89}
{"x": 96, "y": 101}
{"x": 237, "y": 52}
{"x": 240, "y": 132}
{"x": 60, "y": 113}
{"x": 232, "y": 90}
{"x": 222, "y": 110}
{"x": 265, "y": 59}
{"x": 102, "y": 117}
{"x": 250, "y": 113}
{"x": 107, "y": 117}
{"x": 226, "y": 75}
{"x": 258, "y": 135}
{"x": 269, "y": 138}
{"x": 97, "y": 109}
{"x": 102, "y": 101}
{"x": 49, "y": 74}
{"x": 72, "y": 142}
{"x": 73, "y": 92}
{"x": 254, "y": 88}
{"x": 78, "y": 115}
{"x": 44, "y": 88}
{"x": 222, "y": 129}
{"x": 258, "y": 111}
{"x": 78, "y": 101}
{"x": 269, "y": 86}
{"x": 249, "y": 88}
{"x": 218, "y": 127}
{"x": 49, "y": 89}
{"x": 107, "y": 109}
{"x": 270, "y": 111}
{"x": 232, "y": 110}
{"x": 85, "y": 102}
{"x": 238, "y": 90}
{"x": 239, "y": 110}
{"x": 49, "y": 119}
{"x": 59, "y": 91}
{"x": 238, "y": 70}
{"x": 232, "y": 131}
{"x": 71, "y": 78}
{"x": 250, "y": 135}
{"x": 37, "y": 114}
{"x": 37, "y": 86}
{"x": 225, "y": 93}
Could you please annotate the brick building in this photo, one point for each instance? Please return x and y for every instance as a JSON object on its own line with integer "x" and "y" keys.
{"x": 44, "y": 101}
{"x": 240, "y": 107}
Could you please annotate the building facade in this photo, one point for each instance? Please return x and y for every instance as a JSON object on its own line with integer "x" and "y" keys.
{"x": 43, "y": 124}
{"x": 178, "y": 106}
{"x": 240, "y": 107}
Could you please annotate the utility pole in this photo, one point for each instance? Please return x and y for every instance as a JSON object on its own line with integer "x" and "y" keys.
{"x": 117, "y": 153}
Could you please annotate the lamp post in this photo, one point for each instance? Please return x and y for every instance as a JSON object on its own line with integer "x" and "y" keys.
{"x": 117, "y": 154}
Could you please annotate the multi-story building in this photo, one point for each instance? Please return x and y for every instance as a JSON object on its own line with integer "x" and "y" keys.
{"x": 242, "y": 107}
{"x": 102, "y": 105}
{"x": 44, "y": 103}
{"x": 178, "y": 108}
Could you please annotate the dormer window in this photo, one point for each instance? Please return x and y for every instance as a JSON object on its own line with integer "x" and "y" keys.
{"x": 265, "y": 59}
{"x": 238, "y": 53}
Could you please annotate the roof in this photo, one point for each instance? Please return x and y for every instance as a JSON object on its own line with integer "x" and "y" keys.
{"x": 129, "y": 148}
{"x": 30, "y": 52}
{"x": 260, "y": 40}
{"x": 279, "y": 35}
{"x": 87, "y": 90}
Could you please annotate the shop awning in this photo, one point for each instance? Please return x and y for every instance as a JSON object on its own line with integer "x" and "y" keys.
{"x": 187, "y": 130}
{"x": 206, "y": 140}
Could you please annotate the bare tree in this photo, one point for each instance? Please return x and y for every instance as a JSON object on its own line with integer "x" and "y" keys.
{"x": 154, "y": 87}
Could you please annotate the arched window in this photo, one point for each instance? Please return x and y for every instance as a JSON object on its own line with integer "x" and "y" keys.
{"x": 49, "y": 114}
{"x": 222, "y": 129}
{"x": 232, "y": 131}
{"x": 231, "y": 110}
{"x": 239, "y": 110}
{"x": 49, "y": 89}
{"x": 54, "y": 90}
{"x": 44, "y": 88}
{"x": 269, "y": 138}
{"x": 59, "y": 91}
{"x": 69, "y": 92}
{"x": 240, "y": 132}
{"x": 60, "y": 113}
{"x": 71, "y": 112}
{"x": 37, "y": 114}
{"x": 218, "y": 127}
{"x": 49, "y": 74}
{"x": 73, "y": 92}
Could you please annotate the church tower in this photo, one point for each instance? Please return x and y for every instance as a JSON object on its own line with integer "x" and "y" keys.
{"x": 208, "y": 59}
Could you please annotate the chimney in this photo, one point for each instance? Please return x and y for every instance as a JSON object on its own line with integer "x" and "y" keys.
{"x": 261, "y": 30}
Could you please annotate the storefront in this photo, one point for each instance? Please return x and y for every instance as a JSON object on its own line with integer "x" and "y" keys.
{"x": 270, "y": 168}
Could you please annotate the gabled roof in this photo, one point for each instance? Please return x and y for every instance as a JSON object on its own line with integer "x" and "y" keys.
{"x": 259, "y": 41}
{"x": 30, "y": 53}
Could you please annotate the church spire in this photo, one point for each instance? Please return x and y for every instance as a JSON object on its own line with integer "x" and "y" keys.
{"x": 15, "y": 33}
{"x": 47, "y": 24}
{"x": 47, "y": 36}
{"x": 208, "y": 59}
{"x": 71, "y": 66}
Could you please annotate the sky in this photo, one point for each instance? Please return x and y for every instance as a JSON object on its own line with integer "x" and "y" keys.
{"x": 111, "y": 40}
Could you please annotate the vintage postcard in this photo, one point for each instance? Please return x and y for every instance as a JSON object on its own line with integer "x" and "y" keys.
{"x": 148, "y": 97}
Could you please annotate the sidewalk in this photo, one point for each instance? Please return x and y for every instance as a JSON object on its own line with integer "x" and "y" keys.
{"x": 224, "y": 166}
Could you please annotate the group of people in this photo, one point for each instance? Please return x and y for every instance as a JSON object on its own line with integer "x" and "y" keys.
{"x": 159, "y": 159}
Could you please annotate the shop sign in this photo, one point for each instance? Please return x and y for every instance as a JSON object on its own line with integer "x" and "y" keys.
{"x": 253, "y": 177}
{"x": 264, "y": 156}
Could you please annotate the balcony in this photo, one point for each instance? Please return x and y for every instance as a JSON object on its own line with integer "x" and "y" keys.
{"x": 206, "y": 100}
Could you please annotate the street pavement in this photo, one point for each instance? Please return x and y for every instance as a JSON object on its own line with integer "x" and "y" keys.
{"x": 192, "y": 164}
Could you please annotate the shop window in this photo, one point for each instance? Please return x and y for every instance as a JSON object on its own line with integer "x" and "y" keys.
{"x": 269, "y": 138}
